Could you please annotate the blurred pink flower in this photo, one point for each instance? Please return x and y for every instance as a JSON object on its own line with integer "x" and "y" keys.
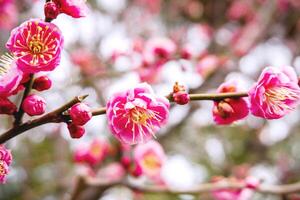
{"x": 230, "y": 109}
{"x": 5, "y": 161}
{"x": 92, "y": 154}
{"x": 275, "y": 94}
{"x": 207, "y": 65}
{"x": 8, "y": 14}
{"x": 74, "y": 8}
{"x": 10, "y": 75}
{"x": 245, "y": 193}
{"x": 134, "y": 116}
{"x": 153, "y": 6}
{"x": 159, "y": 50}
{"x": 150, "y": 157}
{"x": 112, "y": 172}
{"x": 37, "y": 46}
{"x": 240, "y": 9}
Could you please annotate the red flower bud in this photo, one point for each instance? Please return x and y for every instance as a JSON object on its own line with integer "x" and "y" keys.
{"x": 75, "y": 130}
{"x": 125, "y": 160}
{"x": 7, "y": 107}
{"x": 34, "y": 105}
{"x": 42, "y": 83}
{"x": 51, "y": 10}
{"x": 181, "y": 98}
{"x": 80, "y": 114}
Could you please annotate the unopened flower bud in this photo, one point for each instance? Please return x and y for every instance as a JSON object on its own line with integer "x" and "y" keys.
{"x": 181, "y": 98}
{"x": 51, "y": 10}
{"x": 42, "y": 83}
{"x": 125, "y": 160}
{"x": 7, "y": 107}
{"x": 137, "y": 171}
{"x": 34, "y": 105}
{"x": 75, "y": 130}
{"x": 80, "y": 114}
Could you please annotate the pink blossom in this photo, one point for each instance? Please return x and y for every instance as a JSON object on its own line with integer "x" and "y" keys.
{"x": 42, "y": 83}
{"x": 150, "y": 157}
{"x": 5, "y": 161}
{"x": 112, "y": 172}
{"x": 207, "y": 65}
{"x": 34, "y": 105}
{"x": 134, "y": 116}
{"x": 275, "y": 94}
{"x": 245, "y": 193}
{"x": 230, "y": 110}
{"x": 10, "y": 75}
{"x": 92, "y": 154}
{"x": 8, "y": 14}
{"x": 80, "y": 114}
{"x": 240, "y": 9}
{"x": 37, "y": 46}
{"x": 74, "y": 8}
{"x": 158, "y": 50}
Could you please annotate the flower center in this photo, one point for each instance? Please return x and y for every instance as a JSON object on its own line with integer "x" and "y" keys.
{"x": 36, "y": 46}
{"x": 140, "y": 116}
{"x": 3, "y": 170}
{"x": 151, "y": 161}
{"x": 278, "y": 97}
{"x": 95, "y": 150}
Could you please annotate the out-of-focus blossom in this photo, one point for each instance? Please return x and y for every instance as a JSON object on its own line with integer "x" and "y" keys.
{"x": 74, "y": 8}
{"x": 240, "y": 9}
{"x": 153, "y": 6}
{"x": 92, "y": 154}
{"x": 207, "y": 65}
{"x": 231, "y": 109}
{"x": 7, "y": 107}
{"x": 76, "y": 131}
{"x": 42, "y": 83}
{"x": 5, "y": 161}
{"x": 275, "y": 94}
{"x": 34, "y": 105}
{"x": 134, "y": 116}
{"x": 245, "y": 38}
{"x": 10, "y": 75}
{"x": 245, "y": 193}
{"x": 159, "y": 50}
{"x": 8, "y": 14}
{"x": 88, "y": 62}
{"x": 80, "y": 114}
{"x": 37, "y": 46}
{"x": 112, "y": 172}
{"x": 150, "y": 157}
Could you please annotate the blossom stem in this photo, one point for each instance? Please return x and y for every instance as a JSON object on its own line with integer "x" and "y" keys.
{"x": 57, "y": 115}
{"x": 28, "y": 86}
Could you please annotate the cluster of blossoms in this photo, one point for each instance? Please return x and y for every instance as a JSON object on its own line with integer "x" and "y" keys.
{"x": 34, "y": 46}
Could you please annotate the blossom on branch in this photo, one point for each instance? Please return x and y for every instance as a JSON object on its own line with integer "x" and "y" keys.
{"x": 37, "y": 46}
{"x": 275, "y": 93}
{"x": 74, "y": 8}
{"x": 230, "y": 109}
{"x": 5, "y": 161}
{"x": 134, "y": 116}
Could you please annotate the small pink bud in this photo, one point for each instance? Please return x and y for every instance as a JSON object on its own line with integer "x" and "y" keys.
{"x": 76, "y": 131}
{"x": 7, "y": 107}
{"x": 252, "y": 182}
{"x": 181, "y": 98}
{"x": 42, "y": 83}
{"x": 137, "y": 171}
{"x": 34, "y": 105}
{"x": 125, "y": 160}
{"x": 51, "y": 10}
{"x": 80, "y": 114}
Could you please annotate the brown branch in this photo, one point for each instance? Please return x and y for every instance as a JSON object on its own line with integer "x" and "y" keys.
{"x": 201, "y": 188}
{"x": 55, "y": 116}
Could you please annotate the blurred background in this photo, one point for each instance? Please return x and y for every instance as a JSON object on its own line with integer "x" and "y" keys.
{"x": 108, "y": 51}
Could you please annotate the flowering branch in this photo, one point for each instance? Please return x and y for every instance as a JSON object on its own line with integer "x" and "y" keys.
{"x": 56, "y": 116}
{"x": 84, "y": 182}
